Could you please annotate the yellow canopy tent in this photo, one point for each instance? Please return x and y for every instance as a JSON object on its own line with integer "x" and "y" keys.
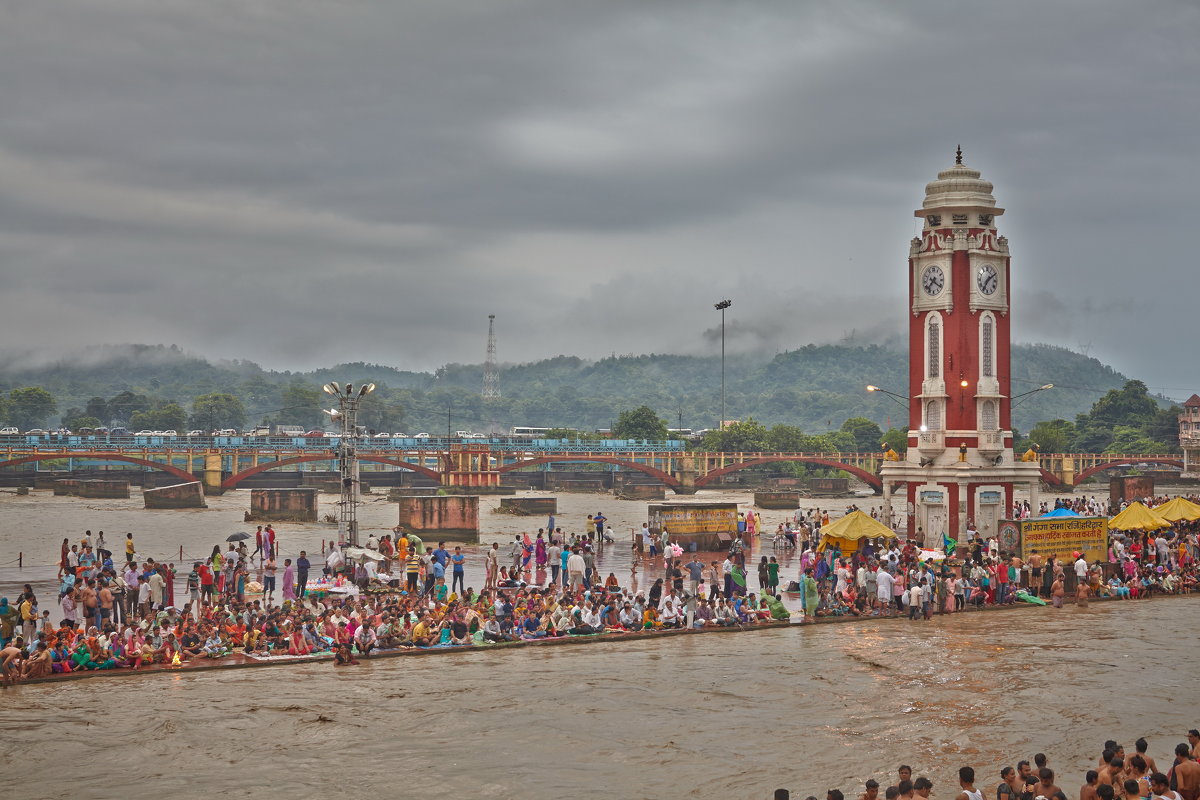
{"x": 851, "y": 530}
{"x": 1177, "y": 508}
{"x": 1136, "y": 517}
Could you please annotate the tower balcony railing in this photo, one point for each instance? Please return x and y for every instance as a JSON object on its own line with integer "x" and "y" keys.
{"x": 1190, "y": 442}
{"x": 991, "y": 442}
{"x": 931, "y": 442}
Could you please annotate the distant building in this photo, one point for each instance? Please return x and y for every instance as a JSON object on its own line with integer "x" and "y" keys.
{"x": 1189, "y": 437}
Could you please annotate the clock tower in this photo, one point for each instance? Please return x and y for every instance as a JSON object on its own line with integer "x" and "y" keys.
{"x": 960, "y": 465}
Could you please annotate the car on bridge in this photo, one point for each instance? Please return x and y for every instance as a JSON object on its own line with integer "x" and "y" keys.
{"x": 144, "y": 433}
{"x": 421, "y": 436}
{"x": 315, "y": 434}
{"x": 10, "y": 431}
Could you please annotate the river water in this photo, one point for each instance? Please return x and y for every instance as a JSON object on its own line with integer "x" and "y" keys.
{"x": 732, "y": 715}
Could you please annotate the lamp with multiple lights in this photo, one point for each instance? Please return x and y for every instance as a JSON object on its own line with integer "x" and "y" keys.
{"x": 349, "y": 397}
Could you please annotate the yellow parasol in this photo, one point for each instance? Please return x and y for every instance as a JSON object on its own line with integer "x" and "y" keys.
{"x": 1177, "y": 509}
{"x": 1136, "y": 517}
{"x": 849, "y": 531}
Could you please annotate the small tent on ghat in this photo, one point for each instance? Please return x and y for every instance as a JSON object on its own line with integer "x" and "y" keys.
{"x": 852, "y": 530}
{"x": 1136, "y": 517}
{"x": 1177, "y": 509}
{"x": 1058, "y": 513}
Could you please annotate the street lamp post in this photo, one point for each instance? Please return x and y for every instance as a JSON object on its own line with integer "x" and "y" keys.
{"x": 349, "y": 399}
{"x": 1031, "y": 391}
{"x": 900, "y": 400}
{"x": 721, "y": 306}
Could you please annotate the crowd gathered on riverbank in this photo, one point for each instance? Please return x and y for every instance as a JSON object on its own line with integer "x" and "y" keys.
{"x": 1119, "y": 774}
{"x": 397, "y": 593}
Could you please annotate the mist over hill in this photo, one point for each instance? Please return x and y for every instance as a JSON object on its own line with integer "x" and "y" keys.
{"x": 815, "y": 387}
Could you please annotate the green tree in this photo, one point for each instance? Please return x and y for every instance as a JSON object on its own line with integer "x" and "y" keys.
{"x": 97, "y": 407}
{"x": 867, "y": 435}
{"x": 1129, "y": 440}
{"x": 123, "y": 405}
{"x": 30, "y": 406}
{"x": 302, "y": 403}
{"x": 217, "y": 410}
{"x": 1163, "y": 429}
{"x": 896, "y": 439}
{"x": 167, "y": 417}
{"x": 75, "y": 419}
{"x": 1053, "y": 436}
{"x": 740, "y": 437}
{"x": 640, "y": 423}
{"x": 379, "y": 414}
{"x": 786, "y": 439}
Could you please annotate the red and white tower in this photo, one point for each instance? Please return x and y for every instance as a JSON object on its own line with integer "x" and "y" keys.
{"x": 960, "y": 465}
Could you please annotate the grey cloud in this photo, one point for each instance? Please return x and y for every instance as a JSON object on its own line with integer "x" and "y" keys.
{"x": 597, "y": 174}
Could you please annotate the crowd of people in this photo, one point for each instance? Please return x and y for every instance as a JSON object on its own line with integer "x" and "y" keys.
{"x": 1118, "y": 775}
{"x": 397, "y": 593}
{"x": 887, "y": 577}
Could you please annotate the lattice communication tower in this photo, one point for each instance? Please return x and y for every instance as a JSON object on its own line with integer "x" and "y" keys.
{"x": 491, "y": 373}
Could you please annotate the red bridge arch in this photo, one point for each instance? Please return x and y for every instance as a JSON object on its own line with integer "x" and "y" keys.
{"x": 665, "y": 477}
{"x": 183, "y": 475}
{"x": 233, "y": 480}
{"x": 1121, "y": 461}
{"x": 870, "y": 479}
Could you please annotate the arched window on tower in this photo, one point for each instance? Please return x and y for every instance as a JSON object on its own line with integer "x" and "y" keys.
{"x": 933, "y": 415}
{"x": 987, "y": 416}
{"x": 987, "y": 347}
{"x": 934, "y": 336}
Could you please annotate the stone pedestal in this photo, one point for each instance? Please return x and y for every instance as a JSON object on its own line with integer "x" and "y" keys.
{"x": 104, "y": 489}
{"x": 67, "y": 487}
{"x": 441, "y": 515}
{"x": 529, "y": 506}
{"x": 777, "y": 499}
{"x": 641, "y": 491}
{"x": 283, "y": 505}
{"x": 181, "y": 495}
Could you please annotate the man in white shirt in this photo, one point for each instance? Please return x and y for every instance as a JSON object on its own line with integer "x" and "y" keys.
{"x": 575, "y": 569}
{"x": 1081, "y": 568}
{"x": 884, "y": 584}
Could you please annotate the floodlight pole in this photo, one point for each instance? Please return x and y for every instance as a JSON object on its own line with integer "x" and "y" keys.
{"x": 721, "y": 306}
{"x": 349, "y": 400}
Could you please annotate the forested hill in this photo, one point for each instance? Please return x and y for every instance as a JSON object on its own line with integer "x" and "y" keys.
{"x": 814, "y": 387}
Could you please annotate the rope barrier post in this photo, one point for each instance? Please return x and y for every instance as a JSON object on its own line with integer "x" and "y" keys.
{"x": 20, "y": 560}
{"x": 181, "y": 554}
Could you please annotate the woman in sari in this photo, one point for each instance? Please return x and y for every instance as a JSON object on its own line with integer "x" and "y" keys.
{"x": 809, "y": 595}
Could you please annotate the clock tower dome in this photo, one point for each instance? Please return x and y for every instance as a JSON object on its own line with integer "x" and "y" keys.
{"x": 960, "y": 465}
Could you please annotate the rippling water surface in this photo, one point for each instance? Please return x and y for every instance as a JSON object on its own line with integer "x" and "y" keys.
{"x": 731, "y": 715}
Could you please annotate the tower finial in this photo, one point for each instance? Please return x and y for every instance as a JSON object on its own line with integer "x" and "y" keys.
{"x": 958, "y": 155}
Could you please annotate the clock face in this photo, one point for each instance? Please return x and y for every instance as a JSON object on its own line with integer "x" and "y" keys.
{"x": 987, "y": 279}
{"x": 933, "y": 280}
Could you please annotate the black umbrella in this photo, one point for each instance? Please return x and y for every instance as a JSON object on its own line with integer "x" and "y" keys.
{"x": 237, "y": 537}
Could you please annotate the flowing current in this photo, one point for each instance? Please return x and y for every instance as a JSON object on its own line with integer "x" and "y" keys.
{"x": 728, "y": 715}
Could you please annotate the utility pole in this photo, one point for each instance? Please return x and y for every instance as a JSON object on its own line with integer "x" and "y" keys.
{"x": 721, "y": 306}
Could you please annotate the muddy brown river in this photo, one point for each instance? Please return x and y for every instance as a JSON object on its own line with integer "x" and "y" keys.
{"x": 736, "y": 715}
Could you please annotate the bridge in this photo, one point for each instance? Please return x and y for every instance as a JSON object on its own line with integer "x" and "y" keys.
{"x": 221, "y": 466}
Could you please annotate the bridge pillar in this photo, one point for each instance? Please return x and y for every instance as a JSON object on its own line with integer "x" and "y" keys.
{"x": 213, "y": 474}
{"x": 1067, "y": 474}
{"x": 686, "y": 473}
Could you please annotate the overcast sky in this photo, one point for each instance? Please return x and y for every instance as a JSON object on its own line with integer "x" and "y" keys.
{"x": 301, "y": 183}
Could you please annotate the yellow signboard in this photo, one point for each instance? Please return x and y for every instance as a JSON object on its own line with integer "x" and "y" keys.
{"x": 708, "y": 518}
{"x": 1064, "y": 536}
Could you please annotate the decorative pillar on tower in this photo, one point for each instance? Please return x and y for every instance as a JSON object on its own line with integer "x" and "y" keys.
{"x": 960, "y": 467}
